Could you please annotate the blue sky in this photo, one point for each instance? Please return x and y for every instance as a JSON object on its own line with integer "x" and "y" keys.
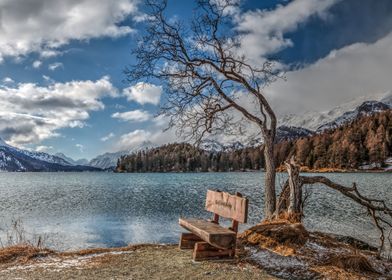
{"x": 62, "y": 85}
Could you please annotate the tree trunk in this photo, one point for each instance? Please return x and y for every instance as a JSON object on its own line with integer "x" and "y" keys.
{"x": 295, "y": 200}
{"x": 270, "y": 172}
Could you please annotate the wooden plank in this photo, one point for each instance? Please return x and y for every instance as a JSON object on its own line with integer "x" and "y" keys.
{"x": 216, "y": 218}
{"x": 227, "y": 205}
{"x": 212, "y": 233}
{"x": 188, "y": 240}
{"x": 204, "y": 251}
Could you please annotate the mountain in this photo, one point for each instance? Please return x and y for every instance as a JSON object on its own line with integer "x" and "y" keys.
{"x": 109, "y": 160}
{"x": 366, "y": 108}
{"x": 365, "y": 142}
{"x": 312, "y": 120}
{"x": 214, "y": 146}
{"x": 15, "y": 159}
{"x": 81, "y": 161}
{"x": 291, "y": 133}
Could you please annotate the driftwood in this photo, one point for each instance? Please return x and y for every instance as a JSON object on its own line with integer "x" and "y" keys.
{"x": 295, "y": 198}
{"x": 290, "y": 199}
{"x": 377, "y": 209}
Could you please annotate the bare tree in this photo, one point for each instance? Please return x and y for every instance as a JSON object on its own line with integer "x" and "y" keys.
{"x": 204, "y": 77}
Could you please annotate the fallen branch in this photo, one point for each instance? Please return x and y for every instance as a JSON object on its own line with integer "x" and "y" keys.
{"x": 377, "y": 208}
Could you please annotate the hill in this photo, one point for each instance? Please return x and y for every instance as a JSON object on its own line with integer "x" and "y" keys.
{"x": 365, "y": 142}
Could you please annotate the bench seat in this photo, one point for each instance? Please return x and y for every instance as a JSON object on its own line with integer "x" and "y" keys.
{"x": 212, "y": 233}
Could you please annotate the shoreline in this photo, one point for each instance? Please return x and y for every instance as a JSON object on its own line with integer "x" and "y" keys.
{"x": 137, "y": 261}
{"x": 261, "y": 171}
{"x": 153, "y": 261}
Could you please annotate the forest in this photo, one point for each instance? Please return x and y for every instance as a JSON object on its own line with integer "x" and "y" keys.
{"x": 363, "y": 141}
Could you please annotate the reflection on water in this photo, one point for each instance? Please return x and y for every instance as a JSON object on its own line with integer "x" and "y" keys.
{"x": 104, "y": 209}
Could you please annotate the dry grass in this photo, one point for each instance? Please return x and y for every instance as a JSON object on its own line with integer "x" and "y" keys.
{"x": 140, "y": 262}
{"x": 282, "y": 238}
{"x": 285, "y": 218}
{"x": 21, "y": 246}
{"x": 22, "y": 253}
{"x": 92, "y": 251}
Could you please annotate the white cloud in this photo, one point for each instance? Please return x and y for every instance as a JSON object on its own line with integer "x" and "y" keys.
{"x": 133, "y": 116}
{"x": 49, "y": 53}
{"x": 144, "y": 93}
{"x": 55, "y": 65}
{"x": 108, "y": 137}
{"x": 37, "y": 64}
{"x": 45, "y": 25}
{"x": 8, "y": 80}
{"x": 345, "y": 74}
{"x": 44, "y": 148}
{"x": 80, "y": 147}
{"x": 264, "y": 30}
{"x": 133, "y": 139}
{"x": 30, "y": 113}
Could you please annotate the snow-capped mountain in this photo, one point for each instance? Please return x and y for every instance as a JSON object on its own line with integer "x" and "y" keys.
{"x": 366, "y": 108}
{"x": 81, "y": 161}
{"x": 109, "y": 160}
{"x": 214, "y": 146}
{"x": 282, "y": 133}
{"x": 312, "y": 120}
{"x": 15, "y": 159}
{"x": 291, "y": 133}
{"x": 35, "y": 155}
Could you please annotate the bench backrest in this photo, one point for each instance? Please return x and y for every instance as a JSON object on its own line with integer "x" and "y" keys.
{"x": 227, "y": 205}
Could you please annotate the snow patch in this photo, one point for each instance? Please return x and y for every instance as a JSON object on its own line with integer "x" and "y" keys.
{"x": 281, "y": 266}
{"x": 57, "y": 263}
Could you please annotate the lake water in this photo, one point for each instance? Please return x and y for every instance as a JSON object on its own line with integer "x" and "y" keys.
{"x": 79, "y": 210}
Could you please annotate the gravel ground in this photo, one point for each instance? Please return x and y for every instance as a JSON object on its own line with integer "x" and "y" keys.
{"x": 140, "y": 262}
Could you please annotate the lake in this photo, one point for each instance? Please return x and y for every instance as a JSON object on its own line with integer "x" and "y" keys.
{"x": 80, "y": 210}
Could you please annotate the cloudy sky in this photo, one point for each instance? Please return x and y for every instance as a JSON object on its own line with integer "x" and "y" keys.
{"x": 62, "y": 85}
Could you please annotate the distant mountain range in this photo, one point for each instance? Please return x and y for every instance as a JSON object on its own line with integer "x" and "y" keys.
{"x": 314, "y": 120}
{"x": 15, "y": 159}
{"x": 292, "y": 127}
{"x": 109, "y": 160}
{"x": 81, "y": 161}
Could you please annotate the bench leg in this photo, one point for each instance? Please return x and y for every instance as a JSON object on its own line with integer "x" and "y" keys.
{"x": 205, "y": 251}
{"x": 188, "y": 240}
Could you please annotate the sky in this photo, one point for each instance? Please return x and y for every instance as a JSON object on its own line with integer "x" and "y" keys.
{"x": 62, "y": 86}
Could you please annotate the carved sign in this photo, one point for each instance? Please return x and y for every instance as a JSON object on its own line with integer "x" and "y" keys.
{"x": 227, "y": 205}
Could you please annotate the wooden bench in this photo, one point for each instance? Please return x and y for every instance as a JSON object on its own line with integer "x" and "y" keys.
{"x": 208, "y": 239}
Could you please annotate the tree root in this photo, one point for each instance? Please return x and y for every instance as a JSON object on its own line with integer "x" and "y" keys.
{"x": 377, "y": 209}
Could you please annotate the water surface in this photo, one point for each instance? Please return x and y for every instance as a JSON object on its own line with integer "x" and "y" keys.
{"x": 79, "y": 210}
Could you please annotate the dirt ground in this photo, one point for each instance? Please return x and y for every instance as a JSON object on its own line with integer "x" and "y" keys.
{"x": 135, "y": 262}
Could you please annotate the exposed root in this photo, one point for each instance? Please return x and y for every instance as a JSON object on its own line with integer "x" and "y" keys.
{"x": 285, "y": 218}
{"x": 355, "y": 262}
